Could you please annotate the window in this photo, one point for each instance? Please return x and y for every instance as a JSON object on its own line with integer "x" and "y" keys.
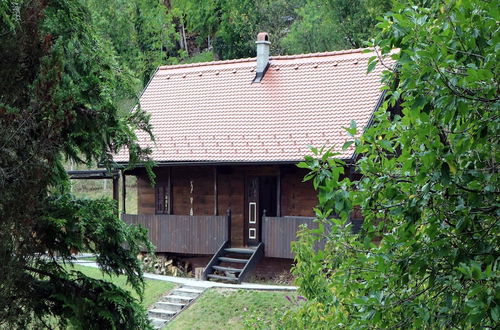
{"x": 162, "y": 200}
{"x": 252, "y": 212}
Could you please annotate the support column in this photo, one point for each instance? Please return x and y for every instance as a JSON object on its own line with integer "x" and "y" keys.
{"x": 124, "y": 193}
{"x": 278, "y": 194}
{"x": 216, "y": 186}
{"x": 170, "y": 206}
{"x": 116, "y": 192}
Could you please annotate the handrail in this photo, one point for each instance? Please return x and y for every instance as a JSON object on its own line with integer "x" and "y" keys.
{"x": 254, "y": 259}
{"x": 210, "y": 267}
{"x": 228, "y": 214}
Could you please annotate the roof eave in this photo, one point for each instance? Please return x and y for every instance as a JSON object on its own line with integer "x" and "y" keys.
{"x": 225, "y": 163}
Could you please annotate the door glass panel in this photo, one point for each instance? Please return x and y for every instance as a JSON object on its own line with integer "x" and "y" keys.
{"x": 252, "y": 188}
{"x": 252, "y": 212}
{"x": 252, "y": 233}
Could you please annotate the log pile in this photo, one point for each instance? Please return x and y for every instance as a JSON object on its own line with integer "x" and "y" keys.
{"x": 165, "y": 265}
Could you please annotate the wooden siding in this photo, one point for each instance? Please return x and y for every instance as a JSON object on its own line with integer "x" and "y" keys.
{"x": 183, "y": 233}
{"x": 297, "y": 198}
{"x": 279, "y": 232}
{"x": 231, "y": 185}
{"x": 145, "y": 196}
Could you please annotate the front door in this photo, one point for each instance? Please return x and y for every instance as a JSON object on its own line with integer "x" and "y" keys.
{"x": 253, "y": 216}
{"x": 261, "y": 196}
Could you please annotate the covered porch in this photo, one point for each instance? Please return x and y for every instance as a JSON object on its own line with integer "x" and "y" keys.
{"x": 185, "y": 234}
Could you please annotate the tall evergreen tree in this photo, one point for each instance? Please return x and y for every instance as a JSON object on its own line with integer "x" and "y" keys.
{"x": 59, "y": 93}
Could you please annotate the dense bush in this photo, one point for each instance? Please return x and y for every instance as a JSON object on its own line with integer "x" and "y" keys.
{"x": 429, "y": 186}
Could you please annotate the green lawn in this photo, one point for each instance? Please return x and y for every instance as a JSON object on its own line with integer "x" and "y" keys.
{"x": 104, "y": 188}
{"x": 153, "y": 291}
{"x": 227, "y": 309}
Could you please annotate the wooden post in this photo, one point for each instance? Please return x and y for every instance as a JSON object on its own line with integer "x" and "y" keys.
{"x": 278, "y": 194}
{"x": 116, "y": 193}
{"x": 216, "y": 197}
{"x": 169, "y": 210}
{"x": 229, "y": 226}
{"x": 124, "y": 193}
{"x": 261, "y": 225}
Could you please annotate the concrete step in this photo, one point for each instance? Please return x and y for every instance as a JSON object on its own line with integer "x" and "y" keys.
{"x": 228, "y": 269}
{"x": 169, "y": 306}
{"x": 161, "y": 313}
{"x": 157, "y": 322}
{"x": 194, "y": 287}
{"x": 177, "y": 299}
{"x": 187, "y": 292}
{"x": 240, "y": 261}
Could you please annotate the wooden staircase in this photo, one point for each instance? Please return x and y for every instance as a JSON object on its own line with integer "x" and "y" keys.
{"x": 233, "y": 264}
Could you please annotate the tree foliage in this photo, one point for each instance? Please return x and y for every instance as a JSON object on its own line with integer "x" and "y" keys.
{"x": 326, "y": 25}
{"x": 141, "y": 32}
{"x": 428, "y": 254}
{"x": 295, "y": 26}
{"x": 59, "y": 94}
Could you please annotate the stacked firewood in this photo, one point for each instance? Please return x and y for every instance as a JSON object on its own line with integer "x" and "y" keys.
{"x": 165, "y": 265}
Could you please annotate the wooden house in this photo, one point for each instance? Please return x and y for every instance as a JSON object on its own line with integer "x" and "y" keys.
{"x": 228, "y": 136}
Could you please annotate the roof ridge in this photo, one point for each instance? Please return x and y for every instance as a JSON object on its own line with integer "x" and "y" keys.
{"x": 251, "y": 59}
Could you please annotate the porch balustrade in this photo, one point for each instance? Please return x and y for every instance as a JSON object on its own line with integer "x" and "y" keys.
{"x": 202, "y": 234}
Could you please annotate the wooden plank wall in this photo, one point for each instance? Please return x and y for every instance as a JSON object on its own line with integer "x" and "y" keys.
{"x": 201, "y": 198}
{"x": 145, "y": 196}
{"x": 279, "y": 232}
{"x": 181, "y": 233}
{"x": 231, "y": 186}
{"x": 297, "y": 198}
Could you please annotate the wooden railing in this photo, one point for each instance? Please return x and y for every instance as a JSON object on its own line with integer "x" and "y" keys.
{"x": 279, "y": 232}
{"x": 183, "y": 233}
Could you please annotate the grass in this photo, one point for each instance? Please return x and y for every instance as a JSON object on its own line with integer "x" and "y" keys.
{"x": 228, "y": 309}
{"x": 94, "y": 189}
{"x": 152, "y": 292}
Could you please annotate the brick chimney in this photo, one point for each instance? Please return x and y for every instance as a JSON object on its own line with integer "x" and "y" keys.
{"x": 263, "y": 45}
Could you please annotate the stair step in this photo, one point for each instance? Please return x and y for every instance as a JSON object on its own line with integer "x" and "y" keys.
{"x": 224, "y": 278}
{"x": 193, "y": 287}
{"x": 170, "y": 306}
{"x": 228, "y": 269}
{"x": 240, "y": 250}
{"x": 161, "y": 313}
{"x": 241, "y": 261}
{"x": 189, "y": 290}
{"x": 157, "y": 322}
{"x": 173, "y": 296}
{"x": 177, "y": 299}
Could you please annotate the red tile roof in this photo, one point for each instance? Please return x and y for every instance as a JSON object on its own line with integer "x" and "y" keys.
{"x": 213, "y": 112}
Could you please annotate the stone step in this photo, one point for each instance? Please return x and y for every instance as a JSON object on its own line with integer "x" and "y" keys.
{"x": 194, "y": 287}
{"x": 177, "y": 299}
{"x": 223, "y": 278}
{"x": 161, "y": 313}
{"x": 186, "y": 292}
{"x": 157, "y": 322}
{"x": 228, "y": 269}
{"x": 226, "y": 259}
{"x": 169, "y": 306}
{"x": 240, "y": 250}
